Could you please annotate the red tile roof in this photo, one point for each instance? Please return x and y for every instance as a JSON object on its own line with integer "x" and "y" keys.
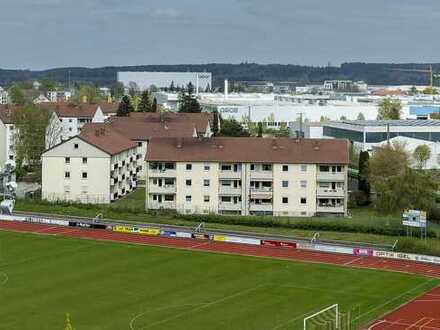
{"x": 82, "y": 110}
{"x": 142, "y": 126}
{"x": 281, "y": 150}
{"x": 102, "y": 136}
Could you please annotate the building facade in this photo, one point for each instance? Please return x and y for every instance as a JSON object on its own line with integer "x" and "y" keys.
{"x": 366, "y": 134}
{"x": 144, "y": 80}
{"x": 99, "y": 166}
{"x": 248, "y": 176}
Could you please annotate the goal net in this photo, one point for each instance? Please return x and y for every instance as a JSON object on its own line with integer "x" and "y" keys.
{"x": 325, "y": 319}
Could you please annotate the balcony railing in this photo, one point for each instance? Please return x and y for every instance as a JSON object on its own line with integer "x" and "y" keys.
{"x": 261, "y": 174}
{"x": 229, "y": 190}
{"x": 330, "y": 209}
{"x": 331, "y": 176}
{"x": 266, "y": 207}
{"x": 328, "y": 192}
{"x": 167, "y": 189}
{"x": 155, "y": 205}
{"x": 229, "y": 206}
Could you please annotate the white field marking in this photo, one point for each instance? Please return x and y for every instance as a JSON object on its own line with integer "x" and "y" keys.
{"x": 291, "y": 320}
{"x": 433, "y": 294}
{"x": 376, "y": 324}
{"x": 422, "y": 326}
{"x": 200, "y": 244}
{"x": 5, "y": 278}
{"x": 352, "y": 261}
{"x": 425, "y": 327}
{"x": 416, "y": 324}
{"x": 393, "y": 299}
{"x": 205, "y": 305}
{"x": 427, "y": 300}
{"x": 133, "y": 320}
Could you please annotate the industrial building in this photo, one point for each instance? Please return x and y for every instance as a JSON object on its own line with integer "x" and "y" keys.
{"x": 144, "y": 80}
{"x": 366, "y": 134}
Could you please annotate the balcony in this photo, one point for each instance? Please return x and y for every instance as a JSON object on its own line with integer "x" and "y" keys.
{"x": 229, "y": 190}
{"x": 225, "y": 206}
{"x": 331, "y": 176}
{"x": 330, "y": 209}
{"x": 169, "y": 173}
{"x": 155, "y": 205}
{"x": 265, "y": 207}
{"x": 165, "y": 189}
{"x": 230, "y": 174}
{"x": 268, "y": 175}
{"x": 262, "y": 193}
{"x": 328, "y": 192}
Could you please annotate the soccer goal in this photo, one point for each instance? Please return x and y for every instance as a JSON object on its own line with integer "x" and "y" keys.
{"x": 327, "y": 318}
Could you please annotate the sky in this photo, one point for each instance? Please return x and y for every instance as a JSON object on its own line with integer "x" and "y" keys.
{"x": 41, "y": 34}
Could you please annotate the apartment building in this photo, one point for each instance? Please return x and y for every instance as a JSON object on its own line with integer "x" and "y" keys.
{"x": 98, "y": 166}
{"x": 141, "y": 127}
{"x": 4, "y": 96}
{"x": 248, "y": 176}
{"x": 59, "y": 96}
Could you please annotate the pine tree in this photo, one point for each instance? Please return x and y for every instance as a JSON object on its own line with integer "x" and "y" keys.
{"x": 215, "y": 124}
{"x": 363, "y": 184}
{"x": 188, "y": 102}
{"x": 145, "y": 103}
{"x": 125, "y": 107}
{"x": 172, "y": 88}
{"x": 154, "y": 107}
{"x": 260, "y": 129}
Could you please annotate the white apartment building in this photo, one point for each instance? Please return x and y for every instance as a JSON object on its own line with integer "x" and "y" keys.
{"x": 59, "y": 96}
{"x": 98, "y": 166}
{"x": 4, "y": 96}
{"x": 248, "y": 176}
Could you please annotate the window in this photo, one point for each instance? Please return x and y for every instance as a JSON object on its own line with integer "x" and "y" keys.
{"x": 75, "y": 146}
{"x": 11, "y": 157}
{"x": 252, "y": 167}
{"x": 188, "y": 198}
{"x": 285, "y": 184}
{"x": 303, "y": 200}
{"x": 206, "y": 183}
{"x": 139, "y": 144}
{"x": 188, "y": 167}
{"x": 169, "y": 198}
{"x": 70, "y": 120}
{"x": 84, "y": 160}
{"x": 226, "y": 167}
{"x": 267, "y": 167}
{"x": 285, "y": 200}
{"x": 303, "y": 183}
{"x": 170, "y": 166}
{"x": 67, "y": 160}
{"x": 67, "y": 175}
{"x": 303, "y": 168}
{"x": 67, "y": 189}
{"x": 324, "y": 168}
{"x": 188, "y": 182}
{"x": 226, "y": 199}
{"x": 154, "y": 197}
{"x": 206, "y": 199}
{"x": 285, "y": 168}
{"x": 84, "y": 175}
{"x": 206, "y": 167}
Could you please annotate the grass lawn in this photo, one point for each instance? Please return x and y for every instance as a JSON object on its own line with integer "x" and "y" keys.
{"x": 107, "y": 285}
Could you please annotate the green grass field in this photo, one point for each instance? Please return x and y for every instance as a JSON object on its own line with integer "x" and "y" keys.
{"x": 121, "y": 286}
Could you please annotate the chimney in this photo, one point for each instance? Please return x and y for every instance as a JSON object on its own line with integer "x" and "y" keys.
{"x": 195, "y": 135}
{"x": 179, "y": 143}
{"x": 226, "y": 89}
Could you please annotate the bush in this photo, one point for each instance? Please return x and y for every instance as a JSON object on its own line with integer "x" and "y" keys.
{"x": 418, "y": 246}
{"x": 434, "y": 215}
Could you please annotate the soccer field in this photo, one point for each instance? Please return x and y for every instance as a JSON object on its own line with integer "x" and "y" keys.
{"x": 105, "y": 285}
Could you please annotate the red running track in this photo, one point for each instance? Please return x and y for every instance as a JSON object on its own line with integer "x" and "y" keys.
{"x": 231, "y": 248}
{"x": 420, "y": 314}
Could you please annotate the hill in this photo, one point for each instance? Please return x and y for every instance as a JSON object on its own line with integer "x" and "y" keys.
{"x": 372, "y": 73}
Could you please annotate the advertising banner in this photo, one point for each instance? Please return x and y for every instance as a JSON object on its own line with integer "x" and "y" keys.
{"x": 148, "y": 231}
{"x": 363, "y": 252}
{"x": 123, "y": 229}
{"x": 219, "y": 238}
{"x": 281, "y": 244}
{"x": 201, "y": 236}
{"x": 11, "y": 218}
{"x": 394, "y": 255}
{"x": 168, "y": 233}
{"x": 242, "y": 240}
{"x": 182, "y": 234}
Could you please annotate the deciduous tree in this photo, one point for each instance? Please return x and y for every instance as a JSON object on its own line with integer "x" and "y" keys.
{"x": 421, "y": 155}
{"x": 389, "y": 109}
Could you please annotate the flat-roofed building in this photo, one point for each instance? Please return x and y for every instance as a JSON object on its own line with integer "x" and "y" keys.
{"x": 98, "y": 166}
{"x": 144, "y": 80}
{"x": 248, "y": 176}
{"x": 366, "y": 134}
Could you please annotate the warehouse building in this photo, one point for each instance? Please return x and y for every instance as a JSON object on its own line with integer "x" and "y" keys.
{"x": 366, "y": 134}
{"x": 144, "y": 80}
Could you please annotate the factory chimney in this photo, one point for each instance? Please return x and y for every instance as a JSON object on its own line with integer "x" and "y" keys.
{"x": 226, "y": 88}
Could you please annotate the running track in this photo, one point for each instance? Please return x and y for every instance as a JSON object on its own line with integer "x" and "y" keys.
{"x": 420, "y": 314}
